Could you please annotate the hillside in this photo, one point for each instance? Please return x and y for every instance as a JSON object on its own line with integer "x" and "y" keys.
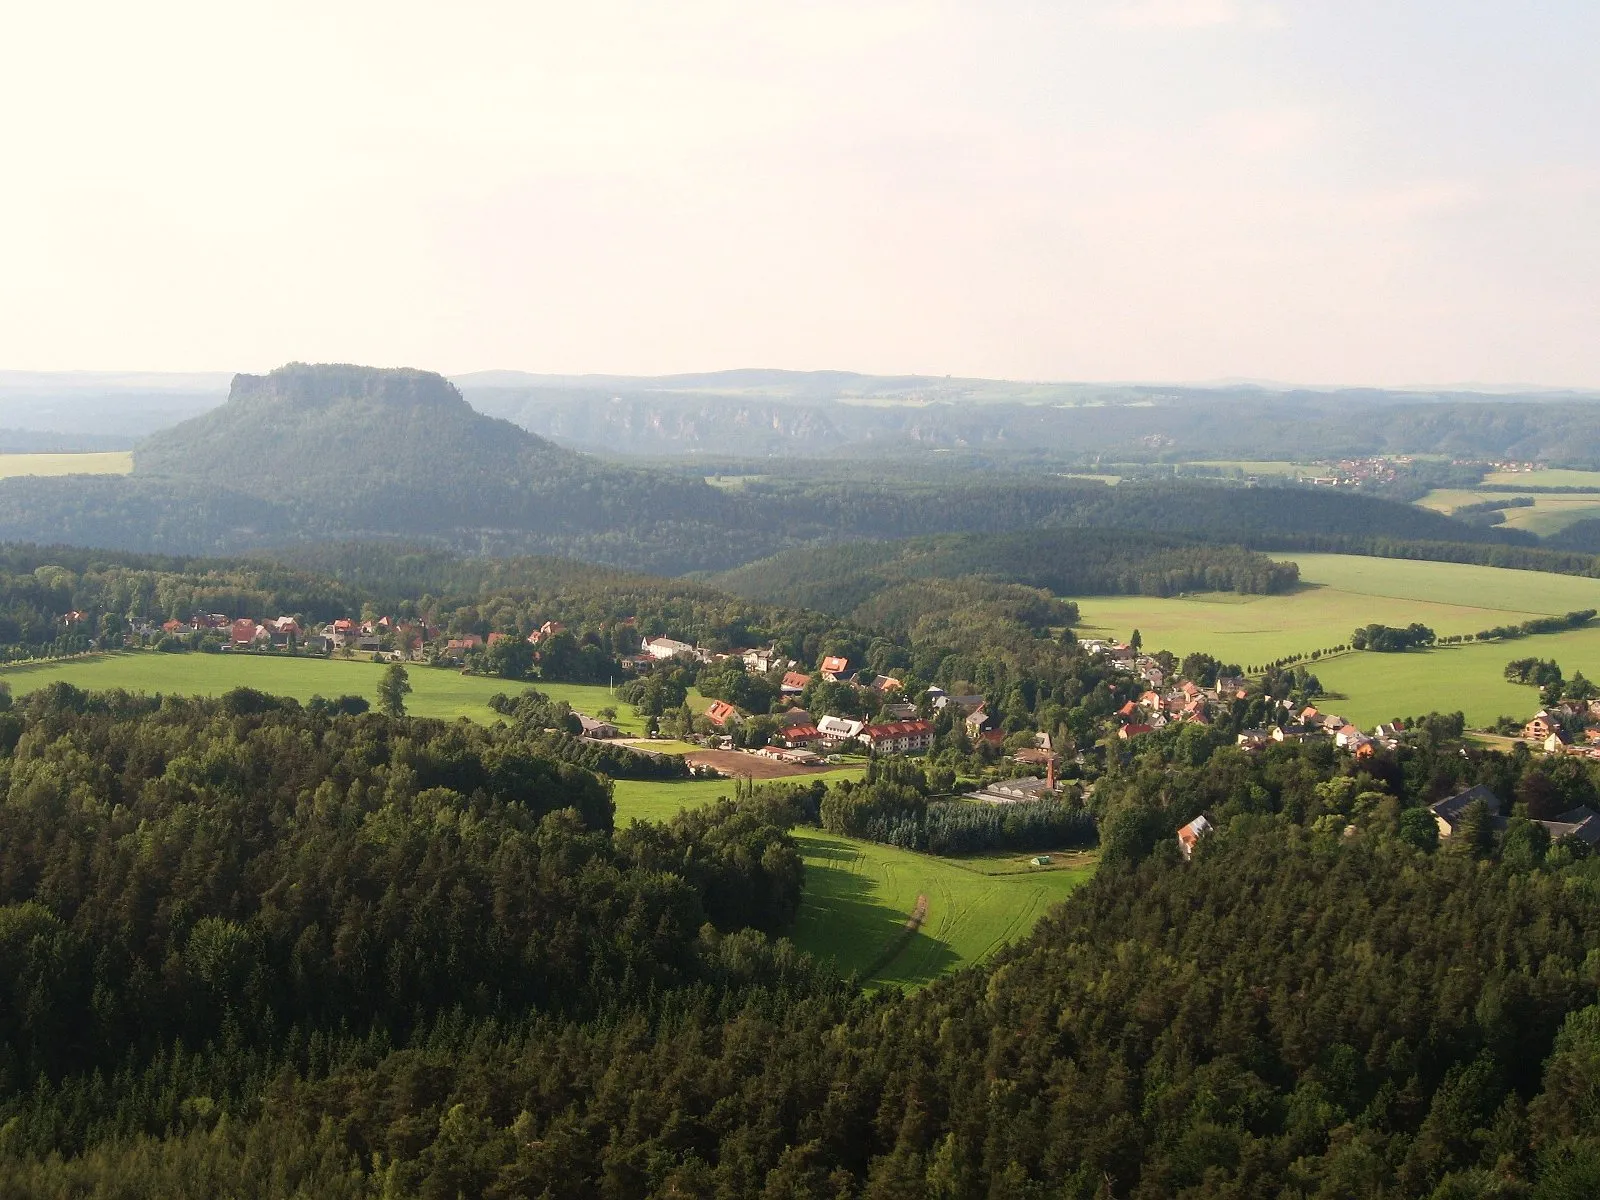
{"x": 847, "y": 578}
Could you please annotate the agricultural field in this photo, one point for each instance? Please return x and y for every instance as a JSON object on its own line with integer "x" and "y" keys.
{"x": 436, "y": 691}
{"x": 1546, "y": 478}
{"x": 1341, "y": 592}
{"x": 107, "y": 462}
{"x": 1338, "y": 593}
{"x": 859, "y": 894}
{"x": 1550, "y": 512}
{"x": 661, "y": 800}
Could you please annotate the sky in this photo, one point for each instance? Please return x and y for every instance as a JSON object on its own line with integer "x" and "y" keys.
{"x": 1385, "y": 192}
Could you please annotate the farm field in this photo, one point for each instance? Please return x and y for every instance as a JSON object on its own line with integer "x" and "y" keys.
{"x": 1549, "y": 513}
{"x": 106, "y": 462}
{"x": 1339, "y": 592}
{"x": 1555, "y": 477}
{"x": 859, "y": 894}
{"x": 661, "y": 800}
{"x": 436, "y": 691}
{"x": 1346, "y": 591}
{"x": 1468, "y": 678}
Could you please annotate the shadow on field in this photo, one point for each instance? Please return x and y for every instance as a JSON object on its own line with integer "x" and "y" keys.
{"x": 843, "y": 920}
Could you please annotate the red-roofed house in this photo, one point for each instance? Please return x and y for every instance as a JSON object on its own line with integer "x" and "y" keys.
{"x": 1128, "y": 732}
{"x": 721, "y": 712}
{"x": 794, "y": 683}
{"x": 833, "y": 666}
{"x": 799, "y": 735}
{"x": 899, "y": 737}
{"x": 243, "y": 632}
{"x": 496, "y": 638}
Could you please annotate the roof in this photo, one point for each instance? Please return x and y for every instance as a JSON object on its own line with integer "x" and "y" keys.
{"x": 1450, "y": 807}
{"x": 833, "y": 664}
{"x": 1132, "y": 731}
{"x": 896, "y": 729}
{"x": 720, "y": 712}
{"x": 1582, "y": 823}
{"x": 796, "y": 679}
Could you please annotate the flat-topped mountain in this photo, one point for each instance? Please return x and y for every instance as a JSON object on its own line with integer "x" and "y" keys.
{"x": 305, "y": 425}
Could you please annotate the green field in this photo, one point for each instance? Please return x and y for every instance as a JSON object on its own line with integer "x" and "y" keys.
{"x": 436, "y": 691}
{"x": 1546, "y": 478}
{"x": 859, "y": 894}
{"x": 653, "y": 800}
{"x": 1345, "y": 591}
{"x": 108, "y": 462}
{"x": 1549, "y": 513}
{"x": 1339, "y": 592}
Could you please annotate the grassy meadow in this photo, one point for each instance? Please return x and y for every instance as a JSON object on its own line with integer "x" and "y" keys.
{"x": 436, "y": 691}
{"x": 1550, "y": 477}
{"x": 1549, "y": 513}
{"x": 1341, "y": 592}
{"x": 859, "y": 894}
{"x": 107, "y": 462}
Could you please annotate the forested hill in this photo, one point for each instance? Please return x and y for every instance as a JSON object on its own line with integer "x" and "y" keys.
{"x": 311, "y": 453}
{"x": 306, "y": 426}
{"x": 1067, "y": 562}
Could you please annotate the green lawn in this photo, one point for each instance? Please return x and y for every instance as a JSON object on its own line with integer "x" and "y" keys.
{"x": 436, "y": 691}
{"x": 107, "y": 462}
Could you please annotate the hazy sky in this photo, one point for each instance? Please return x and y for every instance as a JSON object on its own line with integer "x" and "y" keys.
{"x": 1381, "y": 191}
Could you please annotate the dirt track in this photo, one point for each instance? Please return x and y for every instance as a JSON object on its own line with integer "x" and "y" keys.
{"x": 756, "y": 766}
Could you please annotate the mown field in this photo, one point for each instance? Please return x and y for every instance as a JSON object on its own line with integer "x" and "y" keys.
{"x": 859, "y": 894}
{"x": 108, "y": 462}
{"x": 1342, "y": 592}
{"x": 1550, "y": 512}
{"x": 1339, "y": 592}
{"x": 436, "y": 691}
{"x": 1554, "y": 477}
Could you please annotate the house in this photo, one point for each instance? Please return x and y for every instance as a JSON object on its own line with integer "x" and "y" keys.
{"x": 173, "y": 626}
{"x": 884, "y": 683}
{"x": 721, "y": 712}
{"x": 594, "y": 728}
{"x": 1189, "y": 836}
{"x": 1309, "y": 716}
{"x": 898, "y": 737}
{"x": 794, "y": 683}
{"x": 1539, "y": 727}
{"x": 1448, "y": 812}
{"x": 793, "y": 716}
{"x": 496, "y": 638}
{"x": 1033, "y": 756}
{"x": 1348, "y": 737}
{"x": 243, "y": 632}
{"x": 1253, "y": 739}
{"x": 1128, "y": 732}
{"x": 840, "y": 729}
{"x": 762, "y": 661}
{"x": 1555, "y": 743}
{"x": 1128, "y": 711}
{"x": 1582, "y": 823}
{"x": 662, "y": 648}
{"x": 797, "y": 736}
{"x": 976, "y": 722}
{"x": 1013, "y": 791}
{"x": 833, "y": 666}
{"x": 901, "y": 710}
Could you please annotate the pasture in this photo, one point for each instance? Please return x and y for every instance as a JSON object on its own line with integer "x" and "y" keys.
{"x": 106, "y": 462}
{"x": 1338, "y": 593}
{"x": 1550, "y": 512}
{"x": 1341, "y": 592}
{"x": 1550, "y": 477}
{"x": 858, "y": 894}
{"x": 436, "y": 691}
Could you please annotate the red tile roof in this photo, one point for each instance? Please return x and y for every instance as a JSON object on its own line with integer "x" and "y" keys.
{"x": 720, "y": 711}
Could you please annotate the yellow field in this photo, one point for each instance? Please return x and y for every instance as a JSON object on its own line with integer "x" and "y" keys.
{"x": 108, "y": 462}
{"x": 1549, "y": 513}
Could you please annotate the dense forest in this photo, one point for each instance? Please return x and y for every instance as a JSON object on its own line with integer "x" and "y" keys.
{"x": 368, "y": 969}
{"x": 1066, "y": 562}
